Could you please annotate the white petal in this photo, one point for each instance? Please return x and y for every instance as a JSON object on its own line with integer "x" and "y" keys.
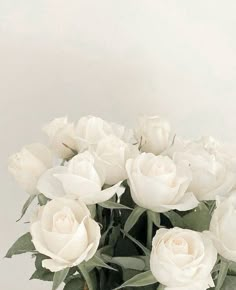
{"x": 101, "y": 196}
{"x": 39, "y": 243}
{"x": 41, "y": 152}
{"x": 77, "y": 185}
{"x": 94, "y": 235}
{"x": 77, "y": 245}
{"x": 78, "y": 207}
{"x": 53, "y": 266}
{"x": 56, "y": 241}
{"x": 83, "y": 256}
{"x": 189, "y": 201}
{"x": 49, "y": 185}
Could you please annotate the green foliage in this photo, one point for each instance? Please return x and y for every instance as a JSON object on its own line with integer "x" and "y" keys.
{"x": 229, "y": 283}
{"x": 224, "y": 266}
{"x": 155, "y": 217}
{"x": 59, "y": 277}
{"x": 198, "y": 219}
{"x": 232, "y": 268}
{"x": 22, "y": 245}
{"x": 97, "y": 262}
{"x": 175, "y": 219}
{"x": 26, "y": 205}
{"x": 91, "y": 283}
{"x": 42, "y": 199}
{"x": 75, "y": 284}
{"x": 113, "y": 205}
{"x": 139, "y": 280}
{"x": 133, "y": 218}
{"x": 41, "y": 273}
{"x": 134, "y": 263}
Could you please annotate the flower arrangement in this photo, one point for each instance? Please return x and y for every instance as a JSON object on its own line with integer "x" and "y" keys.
{"x": 119, "y": 208}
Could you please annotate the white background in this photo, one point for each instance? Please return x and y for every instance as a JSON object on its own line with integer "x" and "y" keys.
{"x": 115, "y": 59}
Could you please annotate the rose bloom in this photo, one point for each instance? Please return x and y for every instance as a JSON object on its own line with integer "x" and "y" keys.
{"x": 29, "y": 164}
{"x": 111, "y": 154}
{"x": 153, "y": 133}
{"x": 158, "y": 184}
{"x": 223, "y": 227}
{"x": 62, "y": 137}
{"x": 225, "y": 152}
{"x": 80, "y": 178}
{"x": 182, "y": 259}
{"x": 212, "y": 175}
{"x": 90, "y": 130}
{"x": 65, "y": 232}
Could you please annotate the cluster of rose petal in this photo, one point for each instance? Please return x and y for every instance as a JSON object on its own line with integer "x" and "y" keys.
{"x": 88, "y": 163}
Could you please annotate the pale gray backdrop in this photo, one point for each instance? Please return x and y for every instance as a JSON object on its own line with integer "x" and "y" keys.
{"x": 115, "y": 59}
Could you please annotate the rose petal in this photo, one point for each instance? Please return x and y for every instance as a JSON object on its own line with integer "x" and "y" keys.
{"x": 49, "y": 185}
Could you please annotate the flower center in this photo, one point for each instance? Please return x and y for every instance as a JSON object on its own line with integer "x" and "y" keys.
{"x": 179, "y": 246}
{"x": 64, "y": 221}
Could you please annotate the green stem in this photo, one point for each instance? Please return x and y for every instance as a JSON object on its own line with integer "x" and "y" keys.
{"x": 224, "y": 266}
{"x": 99, "y": 213}
{"x": 212, "y": 207}
{"x": 86, "y": 276}
{"x": 149, "y": 231}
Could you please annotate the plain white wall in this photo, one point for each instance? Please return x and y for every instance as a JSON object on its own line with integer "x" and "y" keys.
{"x": 115, "y": 59}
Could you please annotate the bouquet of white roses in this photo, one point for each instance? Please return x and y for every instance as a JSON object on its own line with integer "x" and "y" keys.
{"x": 119, "y": 208}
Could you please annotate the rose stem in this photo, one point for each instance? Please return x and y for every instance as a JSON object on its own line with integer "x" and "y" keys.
{"x": 149, "y": 231}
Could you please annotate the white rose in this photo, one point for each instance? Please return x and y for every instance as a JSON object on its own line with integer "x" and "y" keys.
{"x": 29, "y": 164}
{"x": 223, "y": 227}
{"x": 65, "y": 232}
{"x": 158, "y": 184}
{"x": 111, "y": 154}
{"x": 178, "y": 145}
{"x": 212, "y": 175}
{"x": 90, "y": 130}
{"x": 153, "y": 133}
{"x": 61, "y": 137}
{"x": 225, "y": 152}
{"x": 81, "y": 178}
{"x": 182, "y": 259}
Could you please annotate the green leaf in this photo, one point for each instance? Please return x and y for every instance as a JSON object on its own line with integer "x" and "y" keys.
{"x": 155, "y": 218}
{"x": 175, "y": 219}
{"x": 127, "y": 274}
{"x": 22, "y": 245}
{"x": 133, "y": 218}
{"x": 105, "y": 234}
{"x": 42, "y": 199}
{"x": 198, "y": 219}
{"x": 224, "y": 266}
{"x": 59, "y": 277}
{"x": 96, "y": 261}
{"x": 126, "y": 198}
{"x": 115, "y": 233}
{"x": 229, "y": 283}
{"x": 39, "y": 259}
{"x": 74, "y": 284}
{"x": 144, "y": 249}
{"x": 107, "y": 250}
{"x": 113, "y": 205}
{"x": 139, "y": 280}
{"x": 41, "y": 273}
{"x": 86, "y": 276}
{"x": 232, "y": 269}
{"x": 134, "y": 263}
{"x": 26, "y": 205}
{"x": 92, "y": 209}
